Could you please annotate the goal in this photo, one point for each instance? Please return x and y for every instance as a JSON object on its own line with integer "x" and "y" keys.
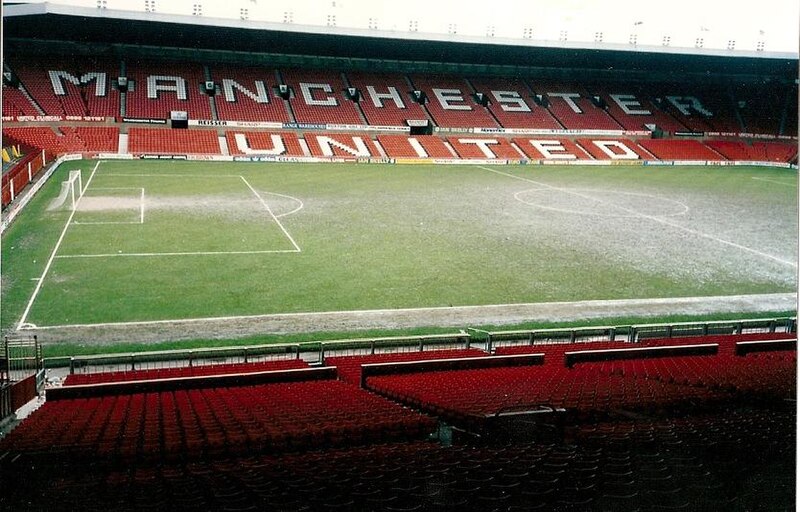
{"x": 71, "y": 192}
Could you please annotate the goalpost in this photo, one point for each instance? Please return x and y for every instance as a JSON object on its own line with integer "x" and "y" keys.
{"x": 71, "y": 191}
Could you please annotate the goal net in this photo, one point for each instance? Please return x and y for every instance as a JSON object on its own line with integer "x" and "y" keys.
{"x": 71, "y": 191}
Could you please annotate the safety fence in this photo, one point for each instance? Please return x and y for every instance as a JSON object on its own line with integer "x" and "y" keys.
{"x": 315, "y": 353}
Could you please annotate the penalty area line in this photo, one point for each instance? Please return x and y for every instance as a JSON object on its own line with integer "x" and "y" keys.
{"x": 22, "y": 320}
{"x": 269, "y": 210}
{"x": 653, "y": 218}
{"x": 150, "y": 254}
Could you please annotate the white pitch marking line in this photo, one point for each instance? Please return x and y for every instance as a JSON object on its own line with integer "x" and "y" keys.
{"x": 148, "y": 254}
{"x": 684, "y": 207}
{"x": 104, "y": 222}
{"x": 196, "y": 176}
{"x": 55, "y": 250}
{"x": 613, "y": 303}
{"x": 773, "y": 181}
{"x": 141, "y": 209}
{"x": 288, "y": 197}
{"x": 650, "y": 217}
{"x": 269, "y": 210}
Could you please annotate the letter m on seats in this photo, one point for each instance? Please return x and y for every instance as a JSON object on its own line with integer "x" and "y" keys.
{"x": 58, "y": 78}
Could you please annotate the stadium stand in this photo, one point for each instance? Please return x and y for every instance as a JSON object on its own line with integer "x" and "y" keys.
{"x": 754, "y": 151}
{"x": 569, "y": 103}
{"x": 400, "y": 146}
{"x": 160, "y": 88}
{"x": 166, "y": 141}
{"x": 15, "y": 103}
{"x": 247, "y": 94}
{"x": 193, "y": 422}
{"x": 699, "y": 108}
{"x": 603, "y": 149}
{"x": 341, "y": 144}
{"x": 511, "y": 103}
{"x": 484, "y": 147}
{"x": 264, "y": 141}
{"x": 546, "y": 148}
{"x": 385, "y": 99}
{"x": 631, "y": 107}
{"x": 761, "y": 107}
{"x": 451, "y": 103}
{"x": 318, "y": 97}
{"x": 702, "y": 462}
{"x": 67, "y": 139}
{"x": 667, "y": 149}
{"x": 71, "y": 87}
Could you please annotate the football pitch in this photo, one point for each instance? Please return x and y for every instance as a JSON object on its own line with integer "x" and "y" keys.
{"x": 154, "y": 240}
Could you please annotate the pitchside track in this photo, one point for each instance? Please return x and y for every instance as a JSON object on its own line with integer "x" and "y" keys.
{"x": 150, "y": 241}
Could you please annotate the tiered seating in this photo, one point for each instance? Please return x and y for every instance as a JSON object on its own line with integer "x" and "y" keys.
{"x": 398, "y": 146}
{"x": 77, "y": 100}
{"x": 732, "y": 459}
{"x": 103, "y": 139}
{"x": 349, "y": 367}
{"x": 263, "y": 141}
{"x": 16, "y": 104}
{"x": 634, "y": 99}
{"x": 498, "y": 147}
{"x": 755, "y": 151}
{"x": 387, "y": 112}
{"x": 189, "y": 96}
{"x": 81, "y": 139}
{"x": 667, "y": 149}
{"x": 166, "y": 141}
{"x": 466, "y": 395}
{"x": 762, "y": 107}
{"x": 365, "y": 148}
{"x": 553, "y": 151}
{"x": 79, "y": 379}
{"x": 714, "y": 99}
{"x": 338, "y": 110}
{"x": 196, "y": 422}
{"x": 244, "y": 107}
{"x": 589, "y": 117}
{"x": 598, "y": 154}
{"x": 457, "y": 109}
{"x": 537, "y": 117}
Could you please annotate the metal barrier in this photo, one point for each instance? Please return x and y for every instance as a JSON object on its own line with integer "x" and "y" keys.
{"x": 496, "y": 339}
{"x": 315, "y": 352}
{"x": 181, "y": 358}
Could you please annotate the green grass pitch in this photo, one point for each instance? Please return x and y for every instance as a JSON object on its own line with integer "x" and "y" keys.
{"x": 156, "y": 240}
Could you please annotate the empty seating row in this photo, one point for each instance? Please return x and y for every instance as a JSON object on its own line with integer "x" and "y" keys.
{"x": 189, "y": 423}
{"x": 16, "y": 104}
{"x": 67, "y": 139}
{"x": 166, "y": 141}
{"x": 731, "y": 459}
{"x": 77, "y": 379}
